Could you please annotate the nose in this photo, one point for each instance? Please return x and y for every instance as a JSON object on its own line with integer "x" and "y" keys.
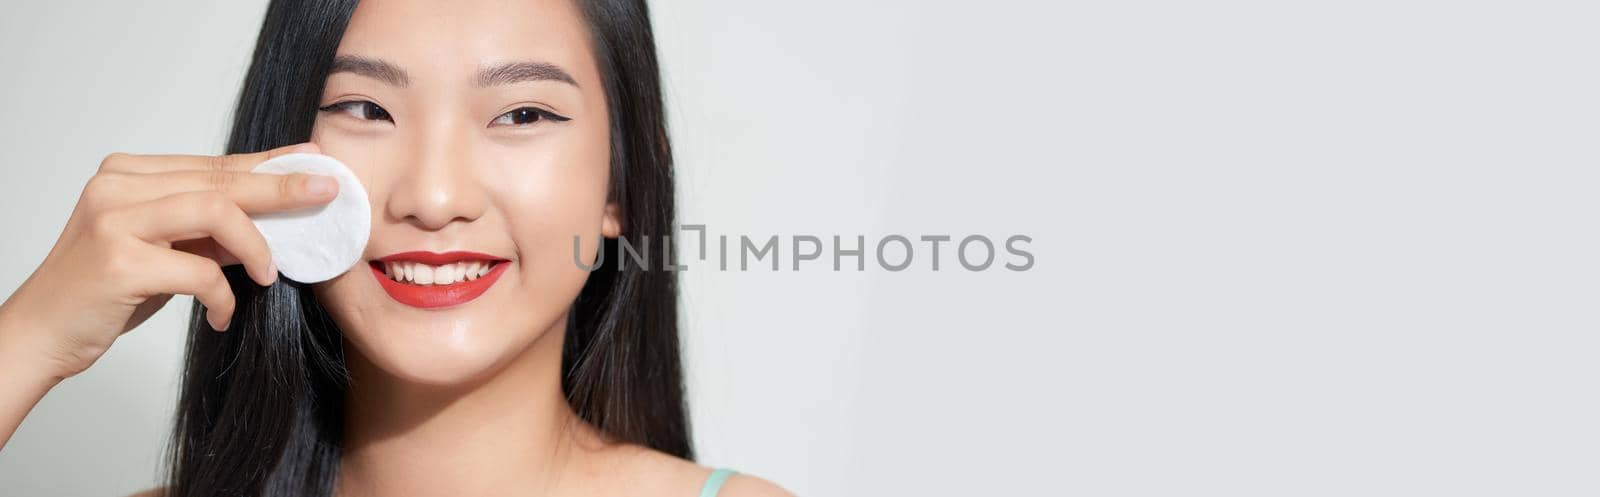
{"x": 434, "y": 183}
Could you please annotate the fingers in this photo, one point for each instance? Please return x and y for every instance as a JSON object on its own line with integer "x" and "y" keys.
{"x": 254, "y": 193}
{"x": 149, "y": 164}
{"x": 129, "y": 179}
{"x": 207, "y": 248}
{"x": 193, "y": 215}
{"x": 173, "y": 272}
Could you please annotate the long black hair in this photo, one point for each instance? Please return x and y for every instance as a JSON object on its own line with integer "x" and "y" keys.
{"x": 261, "y": 408}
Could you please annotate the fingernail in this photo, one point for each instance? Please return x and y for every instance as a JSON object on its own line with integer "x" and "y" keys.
{"x": 318, "y": 186}
{"x": 272, "y": 273}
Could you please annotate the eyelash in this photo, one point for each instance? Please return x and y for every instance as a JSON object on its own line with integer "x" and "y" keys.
{"x": 537, "y": 114}
{"x": 368, "y": 108}
{"x": 371, "y": 111}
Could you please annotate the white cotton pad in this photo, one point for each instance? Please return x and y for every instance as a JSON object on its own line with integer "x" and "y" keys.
{"x": 318, "y": 243}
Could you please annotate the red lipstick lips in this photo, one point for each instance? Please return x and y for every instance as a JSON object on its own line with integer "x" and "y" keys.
{"x": 434, "y": 296}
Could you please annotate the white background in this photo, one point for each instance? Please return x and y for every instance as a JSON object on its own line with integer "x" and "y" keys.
{"x": 1282, "y": 248}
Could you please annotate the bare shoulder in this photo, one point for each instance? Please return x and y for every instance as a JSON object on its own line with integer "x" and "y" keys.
{"x": 666, "y": 471}
{"x": 743, "y": 485}
{"x": 154, "y": 492}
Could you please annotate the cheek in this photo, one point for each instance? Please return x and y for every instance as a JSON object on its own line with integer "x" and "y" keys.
{"x": 549, "y": 195}
{"x": 367, "y": 156}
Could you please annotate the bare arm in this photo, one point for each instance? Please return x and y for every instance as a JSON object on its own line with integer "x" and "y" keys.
{"x": 25, "y": 380}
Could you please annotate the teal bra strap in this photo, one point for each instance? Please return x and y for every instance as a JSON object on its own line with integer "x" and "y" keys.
{"x": 714, "y": 482}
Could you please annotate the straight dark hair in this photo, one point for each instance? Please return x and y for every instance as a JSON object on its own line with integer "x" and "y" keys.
{"x": 261, "y": 408}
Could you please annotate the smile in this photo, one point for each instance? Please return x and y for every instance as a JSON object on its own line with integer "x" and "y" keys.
{"x": 432, "y": 280}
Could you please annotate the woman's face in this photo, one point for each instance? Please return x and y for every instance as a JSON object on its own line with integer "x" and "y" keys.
{"x": 476, "y": 127}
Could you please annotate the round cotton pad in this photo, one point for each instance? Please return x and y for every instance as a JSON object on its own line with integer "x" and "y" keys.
{"x": 318, "y": 243}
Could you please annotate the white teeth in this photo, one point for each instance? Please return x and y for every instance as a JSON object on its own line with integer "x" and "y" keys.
{"x": 417, "y": 273}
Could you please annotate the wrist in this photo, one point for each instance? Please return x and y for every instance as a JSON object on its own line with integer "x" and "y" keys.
{"x": 26, "y": 378}
{"x": 20, "y": 357}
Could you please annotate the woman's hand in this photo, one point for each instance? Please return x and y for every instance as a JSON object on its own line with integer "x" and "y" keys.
{"x": 145, "y": 228}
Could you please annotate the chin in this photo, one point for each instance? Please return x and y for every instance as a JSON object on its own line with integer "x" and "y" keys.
{"x": 439, "y": 351}
{"x": 452, "y": 346}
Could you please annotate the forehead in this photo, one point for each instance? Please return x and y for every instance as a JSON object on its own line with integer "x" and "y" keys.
{"x": 432, "y": 40}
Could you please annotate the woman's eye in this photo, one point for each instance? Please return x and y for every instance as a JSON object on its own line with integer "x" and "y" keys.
{"x": 525, "y": 116}
{"x": 360, "y": 109}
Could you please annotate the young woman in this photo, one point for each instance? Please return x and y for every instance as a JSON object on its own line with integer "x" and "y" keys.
{"x": 489, "y": 135}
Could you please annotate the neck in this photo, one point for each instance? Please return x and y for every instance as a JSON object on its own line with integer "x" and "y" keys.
{"x": 510, "y": 430}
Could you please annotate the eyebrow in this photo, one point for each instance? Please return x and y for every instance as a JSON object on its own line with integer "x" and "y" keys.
{"x": 372, "y": 68}
{"x": 521, "y": 71}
